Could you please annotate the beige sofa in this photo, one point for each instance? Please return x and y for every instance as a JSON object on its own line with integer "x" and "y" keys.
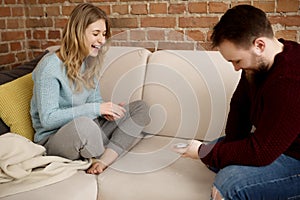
{"x": 188, "y": 93}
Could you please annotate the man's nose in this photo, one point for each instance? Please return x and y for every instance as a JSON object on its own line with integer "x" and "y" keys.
{"x": 237, "y": 67}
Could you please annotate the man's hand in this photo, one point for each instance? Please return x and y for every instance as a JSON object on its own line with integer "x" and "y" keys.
{"x": 191, "y": 151}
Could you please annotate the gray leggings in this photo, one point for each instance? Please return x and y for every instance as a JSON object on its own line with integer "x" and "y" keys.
{"x": 87, "y": 138}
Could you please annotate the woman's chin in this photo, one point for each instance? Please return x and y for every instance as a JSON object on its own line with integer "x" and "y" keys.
{"x": 94, "y": 53}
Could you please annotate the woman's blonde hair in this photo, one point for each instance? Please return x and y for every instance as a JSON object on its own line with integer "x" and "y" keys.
{"x": 73, "y": 50}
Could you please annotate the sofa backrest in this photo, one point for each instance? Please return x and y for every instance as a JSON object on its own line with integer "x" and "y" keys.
{"x": 123, "y": 74}
{"x": 188, "y": 91}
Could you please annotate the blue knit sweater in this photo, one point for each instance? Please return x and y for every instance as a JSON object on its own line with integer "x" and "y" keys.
{"x": 54, "y": 103}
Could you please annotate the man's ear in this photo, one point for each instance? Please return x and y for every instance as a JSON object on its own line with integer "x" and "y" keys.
{"x": 259, "y": 46}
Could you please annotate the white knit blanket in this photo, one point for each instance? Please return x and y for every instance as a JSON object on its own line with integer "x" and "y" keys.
{"x": 24, "y": 165}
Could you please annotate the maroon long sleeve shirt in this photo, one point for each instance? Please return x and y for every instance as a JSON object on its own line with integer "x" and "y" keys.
{"x": 272, "y": 106}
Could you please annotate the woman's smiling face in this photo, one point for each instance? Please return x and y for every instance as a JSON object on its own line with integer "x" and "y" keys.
{"x": 95, "y": 36}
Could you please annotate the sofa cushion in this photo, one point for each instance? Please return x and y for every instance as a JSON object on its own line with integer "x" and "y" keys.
{"x": 188, "y": 94}
{"x": 152, "y": 171}
{"x": 123, "y": 74}
{"x": 78, "y": 187}
{"x": 3, "y": 127}
{"x": 10, "y": 75}
{"x": 188, "y": 91}
{"x": 15, "y": 105}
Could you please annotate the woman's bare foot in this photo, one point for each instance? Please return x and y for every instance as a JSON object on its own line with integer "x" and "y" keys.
{"x": 99, "y": 165}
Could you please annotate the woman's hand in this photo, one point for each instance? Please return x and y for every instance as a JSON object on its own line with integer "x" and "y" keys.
{"x": 111, "y": 111}
{"x": 191, "y": 151}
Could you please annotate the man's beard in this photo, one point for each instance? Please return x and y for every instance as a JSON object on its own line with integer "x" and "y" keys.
{"x": 256, "y": 76}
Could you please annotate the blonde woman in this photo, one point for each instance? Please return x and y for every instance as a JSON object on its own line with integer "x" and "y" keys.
{"x": 68, "y": 114}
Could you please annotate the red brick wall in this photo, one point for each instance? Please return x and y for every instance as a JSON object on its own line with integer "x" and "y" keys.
{"x": 29, "y": 26}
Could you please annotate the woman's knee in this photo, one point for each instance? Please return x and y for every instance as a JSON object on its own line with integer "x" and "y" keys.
{"x": 139, "y": 111}
{"x": 81, "y": 137}
{"x": 83, "y": 127}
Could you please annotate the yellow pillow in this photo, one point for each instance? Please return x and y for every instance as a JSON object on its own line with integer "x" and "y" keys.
{"x": 15, "y": 99}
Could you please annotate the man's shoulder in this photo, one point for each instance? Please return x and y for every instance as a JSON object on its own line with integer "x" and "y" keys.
{"x": 291, "y": 59}
{"x": 291, "y": 46}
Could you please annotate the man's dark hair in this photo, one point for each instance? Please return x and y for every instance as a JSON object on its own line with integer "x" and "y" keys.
{"x": 241, "y": 25}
